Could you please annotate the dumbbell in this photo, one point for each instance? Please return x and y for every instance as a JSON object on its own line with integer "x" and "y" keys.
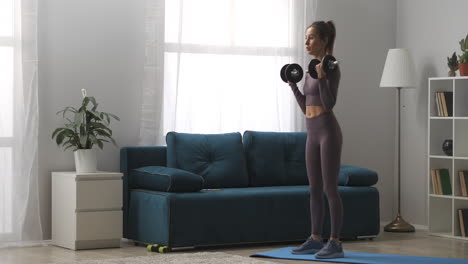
{"x": 329, "y": 65}
{"x": 291, "y": 73}
{"x": 157, "y": 248}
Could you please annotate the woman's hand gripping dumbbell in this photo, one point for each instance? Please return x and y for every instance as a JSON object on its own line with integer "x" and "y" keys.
{"x": 328, "y": 64}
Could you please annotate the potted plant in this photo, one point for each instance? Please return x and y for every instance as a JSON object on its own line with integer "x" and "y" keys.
{"x": 84, "y": 129}
{"x": 452, "y": 63}
{"x": 463, "y": 58}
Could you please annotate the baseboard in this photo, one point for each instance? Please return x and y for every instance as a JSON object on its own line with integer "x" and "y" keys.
{"x": 36, "y": 243}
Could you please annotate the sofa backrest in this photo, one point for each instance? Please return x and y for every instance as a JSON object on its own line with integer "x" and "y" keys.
{"x": 218, "y": 158}
{"x": 275, "y": 158}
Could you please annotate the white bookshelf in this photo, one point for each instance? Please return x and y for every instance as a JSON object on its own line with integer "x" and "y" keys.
{"x": 442, "y": 209}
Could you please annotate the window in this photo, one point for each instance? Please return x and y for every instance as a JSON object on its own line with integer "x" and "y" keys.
{"x": 221, "y": 58}
{"x": 6, "y": 114}
{"x": 228, "y": 22}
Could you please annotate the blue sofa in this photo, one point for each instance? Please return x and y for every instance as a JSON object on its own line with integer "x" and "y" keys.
{"x": 215, "y": 189}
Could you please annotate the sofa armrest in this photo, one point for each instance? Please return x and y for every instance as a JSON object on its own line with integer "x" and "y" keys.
{"x": 137, "y": 157}
{"x": 356, "y": 176}
{"x": 163, "y": 179}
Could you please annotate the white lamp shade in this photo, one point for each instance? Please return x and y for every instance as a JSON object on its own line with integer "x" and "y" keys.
{"x": 398, "y": 70}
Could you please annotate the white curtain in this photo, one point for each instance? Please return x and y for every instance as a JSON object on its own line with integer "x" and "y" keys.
{"x": 19, "y": 202}
{"x": 213, "y": 66}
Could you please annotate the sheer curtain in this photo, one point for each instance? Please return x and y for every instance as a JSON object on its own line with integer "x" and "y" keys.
{"x": 212, "y": 66}
{"x": 19, "y": 201}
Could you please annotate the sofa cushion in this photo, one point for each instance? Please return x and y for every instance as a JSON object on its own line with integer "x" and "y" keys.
{"x": 275, "y": 158}
{"x": 357, "y": 176}
{"x": 218, "y": 158}
{"x": 158, "y": 178}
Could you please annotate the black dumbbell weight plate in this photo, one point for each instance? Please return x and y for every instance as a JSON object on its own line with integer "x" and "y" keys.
{"x": 294, "y": 73}
{"x": 283, "y": 73}
{"x": 312, "y": 71}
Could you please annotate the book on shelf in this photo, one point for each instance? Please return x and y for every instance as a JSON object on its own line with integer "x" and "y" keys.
{"x": 463, "y": 219}
{"x": 444, "y": 103}
{"x": 449, "y": 102}
{"x": 445, "y": 182}
{"x": 438, "y": 104}
{"x": 435, "y": 187}
{"x": 463, "y": 174}
{"x": 441, "y": 181}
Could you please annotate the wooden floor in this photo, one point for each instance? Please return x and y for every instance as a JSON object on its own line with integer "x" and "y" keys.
{"x": 415, "y": 244}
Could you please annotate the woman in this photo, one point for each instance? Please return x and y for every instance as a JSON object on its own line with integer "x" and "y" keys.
{"x": 323, "y": 145}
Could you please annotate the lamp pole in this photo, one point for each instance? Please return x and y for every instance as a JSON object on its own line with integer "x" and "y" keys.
{"x": 399, "y": 224}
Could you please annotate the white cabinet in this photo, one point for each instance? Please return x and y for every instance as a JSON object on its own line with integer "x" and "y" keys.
{"x": 86, "y": 209}
{"x": 442, "y": 209}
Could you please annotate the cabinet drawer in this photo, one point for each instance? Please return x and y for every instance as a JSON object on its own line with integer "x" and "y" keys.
{"x": 98, "y": 194}
{"x": 98, "y": 225}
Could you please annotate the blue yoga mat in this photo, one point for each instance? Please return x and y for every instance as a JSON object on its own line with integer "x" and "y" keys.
{"x": 362, "y": 258}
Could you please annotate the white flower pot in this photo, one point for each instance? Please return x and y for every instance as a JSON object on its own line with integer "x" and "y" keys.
{"x": 85, "y": 161}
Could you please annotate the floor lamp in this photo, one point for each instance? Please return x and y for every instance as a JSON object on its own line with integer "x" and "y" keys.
{"x": 398, "y": 73}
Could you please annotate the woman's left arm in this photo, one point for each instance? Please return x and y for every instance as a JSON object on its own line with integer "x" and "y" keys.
{"x": 328, "y": 87}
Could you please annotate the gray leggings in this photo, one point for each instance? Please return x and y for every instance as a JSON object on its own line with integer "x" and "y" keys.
{"x": 323, "y": 160}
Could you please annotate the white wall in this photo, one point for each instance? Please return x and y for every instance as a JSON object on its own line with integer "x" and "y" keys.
{"x": 431, "y": 29}
{"x": 98, "y": 45}
{"x": 367, "y": 113}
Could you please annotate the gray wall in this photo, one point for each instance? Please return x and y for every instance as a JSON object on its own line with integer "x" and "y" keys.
{"x": 431, "y": 29}
{"x": 98, "y": 45}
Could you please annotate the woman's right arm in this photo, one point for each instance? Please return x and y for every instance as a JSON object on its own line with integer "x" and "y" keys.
{"x": 300, "y": 98}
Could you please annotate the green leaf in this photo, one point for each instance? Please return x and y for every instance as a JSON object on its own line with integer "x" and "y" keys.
{"x": 93, "y": 100}
{"x": 78, "y": 119}
{"x": 95, "y": 125}
{"x": 68, "y": 108}
{"x": 56, "y": 131}
{"x": 62, "y": 135}
{"x": 70, "y": 126}
{"x": 114, "y": 116}
{"x": 107, "y": 118}
{"x": 60, "y": 138}
{"x": 93, "y": 139}
{"x": 68, "y": 147}
{"x": 113, "y": 141}
{"x": 68, "y": 132}
{"x": 466, "y": 41}
{"x": 83, "y": 141}
{"x": 96, "y": 115}
{"x": 103, "y": 133}
{"x": 85, "y": 102}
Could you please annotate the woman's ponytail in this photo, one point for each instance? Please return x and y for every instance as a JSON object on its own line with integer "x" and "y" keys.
{"x": 331, "y": 37}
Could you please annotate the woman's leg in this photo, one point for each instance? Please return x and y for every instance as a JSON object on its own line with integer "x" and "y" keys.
{"x": 331, "y": 143}
{"x": 314, "y": 174}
